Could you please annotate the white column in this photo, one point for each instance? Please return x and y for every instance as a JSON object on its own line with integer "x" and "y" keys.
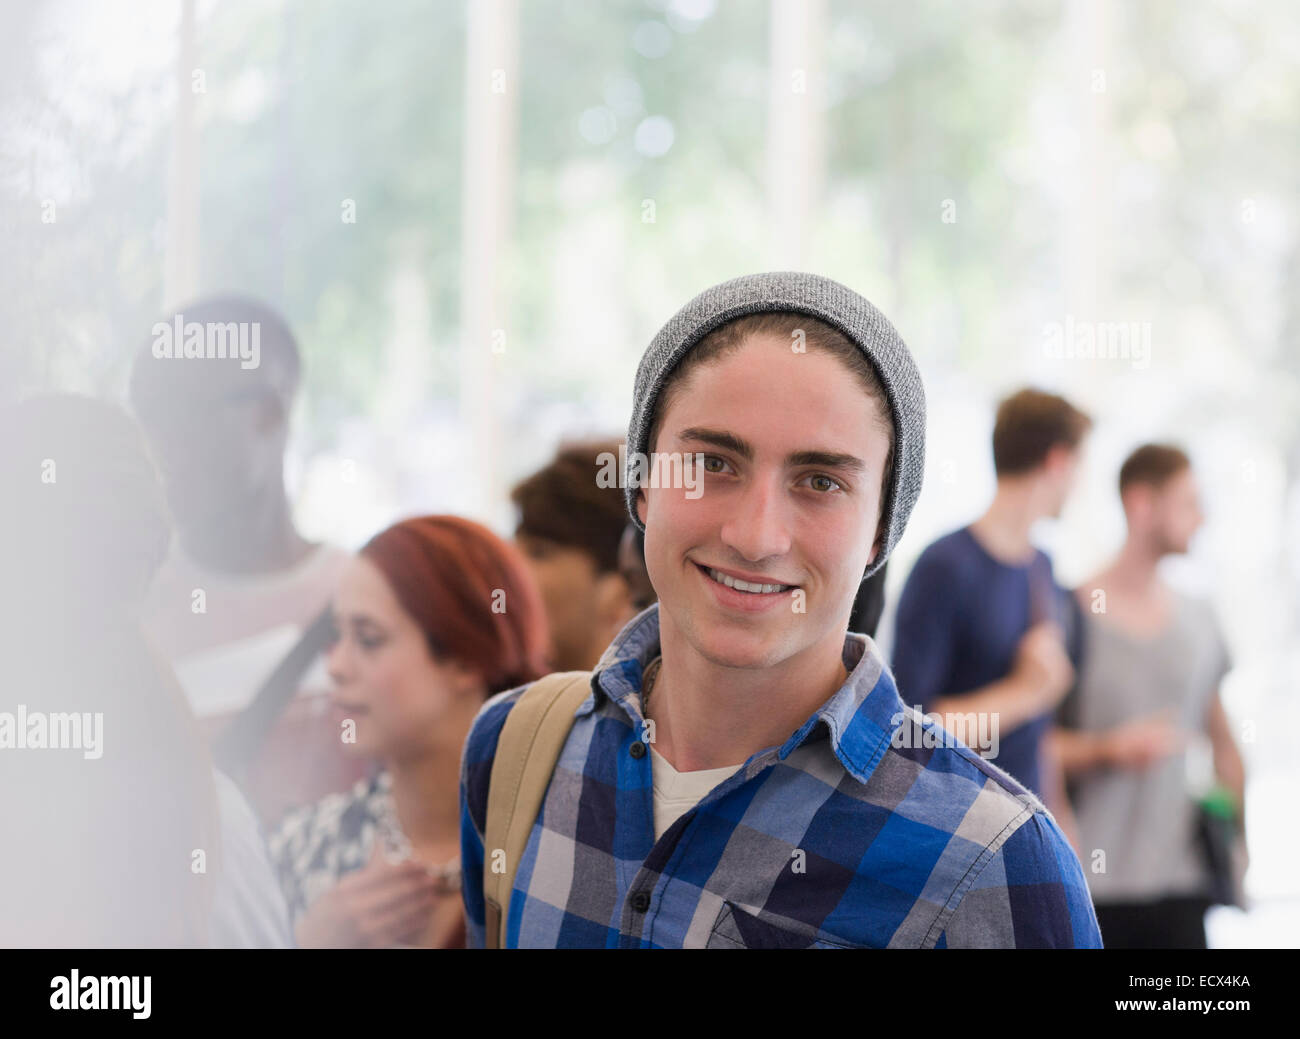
{"x": 181, "y": 270}
{"x": 1087, "y": 216}
{"x": 796, "y": 125}
{"x": 491, "y": 103}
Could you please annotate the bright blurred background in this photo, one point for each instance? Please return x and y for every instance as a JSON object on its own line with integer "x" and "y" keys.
{"x": 476, "y": 215}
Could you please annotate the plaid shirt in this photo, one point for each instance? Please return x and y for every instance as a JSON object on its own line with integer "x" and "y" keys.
{"x": 842, "y": 837}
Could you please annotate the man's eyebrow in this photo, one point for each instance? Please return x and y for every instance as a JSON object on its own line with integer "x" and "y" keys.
{"x": 719, "y": 438}
{"x": 849, "y": 464}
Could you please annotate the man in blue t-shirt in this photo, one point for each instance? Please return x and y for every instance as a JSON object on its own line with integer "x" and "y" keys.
{"x": 984, "y": 635}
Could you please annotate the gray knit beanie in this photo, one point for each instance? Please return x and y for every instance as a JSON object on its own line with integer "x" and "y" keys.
{"x": 839, "y": 307}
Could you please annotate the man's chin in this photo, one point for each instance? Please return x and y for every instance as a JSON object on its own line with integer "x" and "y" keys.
{"x": 741, "y": 643}
{"x": 742, "y": 650}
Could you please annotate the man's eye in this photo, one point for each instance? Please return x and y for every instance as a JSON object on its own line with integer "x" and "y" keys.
{"x": 370, "y": 642}
{"x": 708, "y": 463}
{"x": 827, "y": 485}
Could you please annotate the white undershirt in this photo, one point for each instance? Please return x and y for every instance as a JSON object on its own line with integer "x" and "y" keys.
{"x": 678, "y": 792}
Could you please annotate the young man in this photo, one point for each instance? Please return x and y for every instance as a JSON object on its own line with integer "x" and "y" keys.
{"x": 570, "y": 530}
{"x": 776, "y": 806}
{"x": 241, "y": 585}
{"x": 1149, "y": 680}
{"x": 981, "y": 629}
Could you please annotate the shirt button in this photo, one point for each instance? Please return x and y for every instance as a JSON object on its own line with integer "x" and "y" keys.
{"x": 641, "y": 901}
{"x": 637, "y": 750}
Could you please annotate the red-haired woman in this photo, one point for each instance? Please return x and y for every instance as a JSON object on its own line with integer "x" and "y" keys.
{"x": 433, "y": 615}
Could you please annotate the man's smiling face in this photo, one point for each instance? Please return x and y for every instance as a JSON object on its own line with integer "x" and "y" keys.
{"x": 794, "y": 451}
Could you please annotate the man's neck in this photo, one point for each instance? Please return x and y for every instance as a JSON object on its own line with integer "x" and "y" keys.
{"x": 710, "y": 716}
{"x": 1004, "y": 528}
{"x": 1135, "y": 571}
{"x": 259, "y": 538}
{"x": 1133, "y": 595}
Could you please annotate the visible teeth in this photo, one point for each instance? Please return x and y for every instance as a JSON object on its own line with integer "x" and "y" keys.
{"x": 745, "y": 586}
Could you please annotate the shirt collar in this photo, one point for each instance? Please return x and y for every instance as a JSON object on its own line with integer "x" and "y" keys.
{"x": 859, "y": 719}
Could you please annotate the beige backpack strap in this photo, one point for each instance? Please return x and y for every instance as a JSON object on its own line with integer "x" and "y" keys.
{"x": 529, "y": 746}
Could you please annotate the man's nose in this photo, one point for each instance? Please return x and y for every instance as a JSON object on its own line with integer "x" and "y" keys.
{"x": 760, "y": 526}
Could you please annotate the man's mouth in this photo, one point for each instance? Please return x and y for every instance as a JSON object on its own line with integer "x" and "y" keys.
{"x": 749, "y": 587}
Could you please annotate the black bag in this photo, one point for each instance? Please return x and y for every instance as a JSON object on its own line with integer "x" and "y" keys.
{"x": 1217, "y": 837}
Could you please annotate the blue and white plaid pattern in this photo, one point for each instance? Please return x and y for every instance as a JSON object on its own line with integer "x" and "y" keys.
{"x": 837, "y": 839}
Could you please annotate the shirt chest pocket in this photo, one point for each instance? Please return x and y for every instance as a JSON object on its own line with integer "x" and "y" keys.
{"x": 737, "y": 928}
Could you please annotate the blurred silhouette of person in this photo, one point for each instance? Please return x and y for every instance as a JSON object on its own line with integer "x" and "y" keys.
{"x": 631, "y": 564}
{"x": 433, "y": 615}
{"x": 241, "y": 586}
{"x": 869, "y": 603}
{"x": 570, "y": 528}
{"x": 137, "y": 842}
{"x": 1149, "y": 682}
{"x": 982, "y": 626}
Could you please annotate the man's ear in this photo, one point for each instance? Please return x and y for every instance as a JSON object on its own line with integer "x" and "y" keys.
{"x": 641, "y": 505}
{"x": 875, "y": 551}
{"x": 878, "y": 544}
{"x": 271, "y": 413}
{"x": 1137, "y": 502}
{"x": 1058, "y": 458}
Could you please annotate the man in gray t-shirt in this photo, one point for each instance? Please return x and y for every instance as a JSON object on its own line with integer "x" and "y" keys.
{"x": 1146, "y": 701}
